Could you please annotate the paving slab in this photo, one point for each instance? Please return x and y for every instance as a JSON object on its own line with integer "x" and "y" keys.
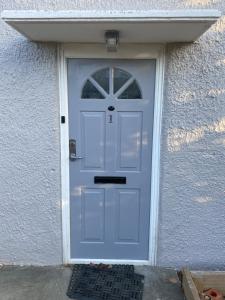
{"x": 160, "y": 283}
{"x": 50, "y": 283}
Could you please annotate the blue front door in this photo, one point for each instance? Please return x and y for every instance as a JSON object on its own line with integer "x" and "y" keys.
{"x": 110, "y": 127}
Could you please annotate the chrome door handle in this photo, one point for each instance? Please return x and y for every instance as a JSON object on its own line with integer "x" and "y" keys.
{"x": 73, "y": 151}
{"x": 74, "y": 157}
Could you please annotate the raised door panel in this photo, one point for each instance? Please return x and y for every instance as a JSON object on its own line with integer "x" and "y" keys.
{"x": 93, "y": 215}
{"x": 93, "y": 140}
{"x": 128, "y": 216}
{"x": 129, "y": 141}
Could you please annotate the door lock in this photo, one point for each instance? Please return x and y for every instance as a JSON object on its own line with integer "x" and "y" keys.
{"x": 73, "y": 151}
{"x": 111, "y": 108}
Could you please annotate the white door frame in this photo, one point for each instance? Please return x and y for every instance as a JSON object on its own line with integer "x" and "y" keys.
{"x": 98, "y": 51}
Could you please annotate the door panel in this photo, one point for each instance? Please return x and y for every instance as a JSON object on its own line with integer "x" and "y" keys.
{"x": 111, "y": 105}
{"x": 93, "y": 140}
{"x": 92, "y": 215}
{"x": 129, "y": 140}
{"x": 127, "y": 231}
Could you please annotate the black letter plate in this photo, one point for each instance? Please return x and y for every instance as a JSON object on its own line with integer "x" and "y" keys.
{"x": 110, "y": 179}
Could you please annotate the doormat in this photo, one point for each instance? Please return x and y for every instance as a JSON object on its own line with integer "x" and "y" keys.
{"x": 95, "y": 282}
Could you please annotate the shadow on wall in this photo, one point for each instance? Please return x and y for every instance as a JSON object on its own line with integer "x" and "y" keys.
{"x": 192, "y": 212}
{"x": 204, "y": 149}
{"x": 193, "y": 154}
{"x": 196, "y": 105}
{"x": 179, "y": 137}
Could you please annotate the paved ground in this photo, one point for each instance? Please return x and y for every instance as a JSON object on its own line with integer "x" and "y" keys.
{"x": 50, "y": 283}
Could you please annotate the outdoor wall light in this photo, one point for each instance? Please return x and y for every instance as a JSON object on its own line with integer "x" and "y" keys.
{"x": 112, "y": 40}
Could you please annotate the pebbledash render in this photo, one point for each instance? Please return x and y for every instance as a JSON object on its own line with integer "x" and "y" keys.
{"x": 191, "y": 197}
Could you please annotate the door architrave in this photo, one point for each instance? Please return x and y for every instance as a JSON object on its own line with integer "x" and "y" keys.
{"x": 98, "y": 51}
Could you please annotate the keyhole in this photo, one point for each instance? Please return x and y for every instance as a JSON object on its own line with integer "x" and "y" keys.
{"x": 110, "y": 118}
{"x": 111, "y": 108}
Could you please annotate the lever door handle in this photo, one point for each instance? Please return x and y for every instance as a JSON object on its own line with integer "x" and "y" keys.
{"x": 72, "y": 149}
{"x": 74, "y": 157}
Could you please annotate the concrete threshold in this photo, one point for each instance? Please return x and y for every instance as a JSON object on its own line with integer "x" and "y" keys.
{"x": 50, "y": 283}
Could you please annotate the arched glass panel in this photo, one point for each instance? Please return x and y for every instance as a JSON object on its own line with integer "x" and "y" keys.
{"x": 99, "y": 84}
{"x": 89, "y": 91}
{"x": 120, "y": 77}
{"x": 102, "y": 78}
{"x": 131, "y": 92}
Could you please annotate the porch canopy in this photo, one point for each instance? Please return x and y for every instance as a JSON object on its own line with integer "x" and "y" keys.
{"x": 153, "y": 26}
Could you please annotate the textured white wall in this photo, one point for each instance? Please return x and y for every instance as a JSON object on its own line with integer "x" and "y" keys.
{"x": 192, "y": 204}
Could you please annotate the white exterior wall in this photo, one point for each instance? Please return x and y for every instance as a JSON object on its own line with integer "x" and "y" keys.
{"x": 192, "y": 191}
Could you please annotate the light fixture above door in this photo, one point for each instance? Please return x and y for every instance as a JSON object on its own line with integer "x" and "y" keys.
{"x": 112, "y": 40}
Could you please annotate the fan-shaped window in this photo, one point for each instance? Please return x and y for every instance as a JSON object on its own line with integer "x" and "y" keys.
{"x": 102, "y": 78}
{"x": 120, "y": 83}
{"x": 131, "y": 92}
{"x": 90, "y": 91}
{"x": 120, "y": 77}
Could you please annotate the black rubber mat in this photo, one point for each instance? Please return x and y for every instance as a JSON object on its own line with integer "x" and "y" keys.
{"x": 93, "y": 282}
